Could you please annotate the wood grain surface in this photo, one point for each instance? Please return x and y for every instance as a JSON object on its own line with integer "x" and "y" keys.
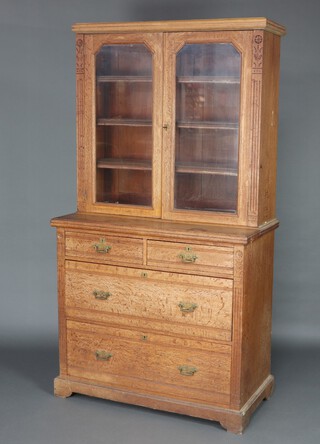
{"x": 152, "y": 296}
{"x": 208, "y": 260}
{"x": 160, "y": 304}
{"x": 182, "y": 25}
{"x": 122, "y": 249}
{"x": 145, "y": 365}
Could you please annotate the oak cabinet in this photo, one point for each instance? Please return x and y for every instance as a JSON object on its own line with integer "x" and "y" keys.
{"x": 165, "y": 271}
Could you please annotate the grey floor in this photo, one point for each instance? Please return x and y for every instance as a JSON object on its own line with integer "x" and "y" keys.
{"x": 30, "y": 414}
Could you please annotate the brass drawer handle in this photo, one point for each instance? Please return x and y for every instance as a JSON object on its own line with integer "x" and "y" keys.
{"x": 101, "y": 246}
{"x": 101, "y": 295}
{"x": 102, "y": 355}
{"x": 187, "y": 307}
{"x": 187, "y": 370}
{"x": 189, "y": 256}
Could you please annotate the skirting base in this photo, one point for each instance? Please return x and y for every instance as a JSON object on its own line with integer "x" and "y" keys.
{"x": 234, "y": 421}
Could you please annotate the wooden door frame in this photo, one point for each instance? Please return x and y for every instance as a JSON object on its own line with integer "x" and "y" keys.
{"x": 86, "y": 127}
{"x": 241, "y": 40}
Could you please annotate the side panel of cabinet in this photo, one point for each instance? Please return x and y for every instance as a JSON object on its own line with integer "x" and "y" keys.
{"x": 262, "y": 147}
{"x": 241, "y": 41}
{"x": 252, "y": 312}
{"x": 256, "y": 315}
{"x": 269, "y": 128}
{"x": 89, "y": 181}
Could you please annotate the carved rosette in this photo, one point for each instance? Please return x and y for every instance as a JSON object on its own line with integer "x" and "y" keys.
{"x": 257, "y": 60}
{"x": 80, "y": 55}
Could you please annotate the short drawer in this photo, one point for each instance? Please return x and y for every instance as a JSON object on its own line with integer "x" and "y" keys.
{"x": 195, "y": 259}
{"x": 104, "y": 249}
{"x": 125, "y": 359}
{"x": 193, "y": 306}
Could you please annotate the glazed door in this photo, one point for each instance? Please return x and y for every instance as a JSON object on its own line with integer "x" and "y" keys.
{"x": 124, "y": 73}
{"x": 204, "y": 120}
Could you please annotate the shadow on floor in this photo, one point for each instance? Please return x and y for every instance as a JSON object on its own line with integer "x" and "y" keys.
{"x": 39, "y": 364}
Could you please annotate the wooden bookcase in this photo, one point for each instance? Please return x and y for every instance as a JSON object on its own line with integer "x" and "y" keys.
{"x": 165, "y": 271}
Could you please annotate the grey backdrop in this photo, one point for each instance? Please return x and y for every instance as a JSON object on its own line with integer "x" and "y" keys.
{"x": 38, "y": 155}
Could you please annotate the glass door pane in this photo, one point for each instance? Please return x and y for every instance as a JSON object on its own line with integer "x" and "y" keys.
{"x": 124, "y": 125}
{"x": 207, "y": 124}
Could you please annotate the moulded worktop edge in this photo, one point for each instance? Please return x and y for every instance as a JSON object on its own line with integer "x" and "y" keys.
{"x": 162, "y": 228}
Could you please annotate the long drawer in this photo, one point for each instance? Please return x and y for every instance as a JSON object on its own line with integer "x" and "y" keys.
{"x": 104, "y": 249}
{"x": 194, "y": 259}
{"x": 193, "y": 306}
{"x": 120, "y": 358}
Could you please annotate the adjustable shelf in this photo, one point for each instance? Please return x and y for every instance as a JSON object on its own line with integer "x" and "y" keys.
{"x": 128, "y": 199}
{"x": 204, "y": 168}
{"x": 209, "y": 125}
{"x": 125, "y": 164}
{"x": 130, "y": 79}
{"x": 209, "y": 79}
{"x": 123, "y": 122}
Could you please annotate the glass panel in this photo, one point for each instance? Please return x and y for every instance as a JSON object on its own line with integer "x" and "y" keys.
{"x": 124, "y": 125}
{"x": 207, "y": 124}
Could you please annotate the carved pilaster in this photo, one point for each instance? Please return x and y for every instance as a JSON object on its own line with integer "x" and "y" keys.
{"x": 235, "y": 396}
{"x": 61, "y": 300}
{"x": 80, "y": 116}
{"x": 256, "y": 88}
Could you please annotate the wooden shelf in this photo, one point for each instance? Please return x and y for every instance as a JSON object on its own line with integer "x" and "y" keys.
{"x": 125, "y": 164}
{"x": 124, "y": 122}
{"x": 225, "y": 207}
{"x": 128, "y": 199}
{"x": 131, "y": 79}
{"x": 204, "y": 168}
{"x": 209, "y": 79}
{"x": 209, "y": 125}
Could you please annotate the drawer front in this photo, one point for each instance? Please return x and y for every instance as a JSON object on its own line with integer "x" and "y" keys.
{"x": 118, "y": 357}
{"x": 193, "y": 306}
{"x": 104, "y": 249}
{"x": 195, "y": 259}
